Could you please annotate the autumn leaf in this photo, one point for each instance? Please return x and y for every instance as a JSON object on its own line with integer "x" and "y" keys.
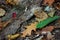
{"x": 49, "y": 2}
{"x": 40, "y": 16}
{"x": 51, "y": 14}
{"x": 11, "y": 37}
{"x": 46, "y": 29}
{"x": 57, "y": 6}
{"x": 13, "y": 2}
{"x": 49, "y": 28}
{"x": 29, "y": 29}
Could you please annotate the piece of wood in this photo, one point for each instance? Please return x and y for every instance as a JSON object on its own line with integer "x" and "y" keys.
{"x": 4, "y": 24}
{"x": 7, "y": 22}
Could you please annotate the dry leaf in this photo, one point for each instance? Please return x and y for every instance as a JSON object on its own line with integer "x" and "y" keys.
{"x": 41, "y": 15}
{"x": 49, "y": 28}
{"x": 11, "y": 37}
{"x": 57, "y": 6}
{"x": 51, "y": 14}
{"x": 49, "y": 2}
{"x": 49, "y": 36}
{"x": 46, "y": 29}
{"x": 29, "y": 29}
{"x": 2, "y": 12}
{"x": 13, "y": 2}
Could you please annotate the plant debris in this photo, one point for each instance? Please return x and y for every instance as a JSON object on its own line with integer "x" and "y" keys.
{"x": 29, "y": 19}
{"x": 29, "y": 29}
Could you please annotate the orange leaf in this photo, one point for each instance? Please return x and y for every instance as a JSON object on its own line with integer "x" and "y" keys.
{"x": 29, "y": 29}
{"x": 13, "y": 2}
{"x": 49, "y": 2}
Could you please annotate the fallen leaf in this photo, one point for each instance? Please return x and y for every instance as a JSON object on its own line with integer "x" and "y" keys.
{"x": 13, "y": 2}
{"x": 49, "y": 2}
{"x": 49, "y": 36}
{"x": 57, "y": 6}
{"x": 11, "y": 37}
{"x": 29, "y": 29}
{"x": 49, "y": 28}
{"x": 41, "y": 15}
{"x": 2, "y": 12}
{"x": 51, "y": 14}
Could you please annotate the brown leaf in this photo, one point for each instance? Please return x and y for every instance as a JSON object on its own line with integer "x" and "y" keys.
{"x": 49, "y": 28}
{"x": 49, "y": 35}
{"x": 49, "y": 2}
{"x": 46, "y": 29}
{"x": 29, "y": 29}
{"x": 57, "y": 6}
{"x": 41, "y": 15}
{"x": 13, "y": 2}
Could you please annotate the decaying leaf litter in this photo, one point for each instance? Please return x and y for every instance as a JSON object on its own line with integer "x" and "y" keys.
{"x": 30, "y": 19}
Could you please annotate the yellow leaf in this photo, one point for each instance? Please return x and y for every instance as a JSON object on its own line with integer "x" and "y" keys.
{"x": 13, "y": 2}
{"x": 10, "y": 37}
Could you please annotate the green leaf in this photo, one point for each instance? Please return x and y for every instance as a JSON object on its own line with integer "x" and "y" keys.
{"x": 46, "y": 22}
